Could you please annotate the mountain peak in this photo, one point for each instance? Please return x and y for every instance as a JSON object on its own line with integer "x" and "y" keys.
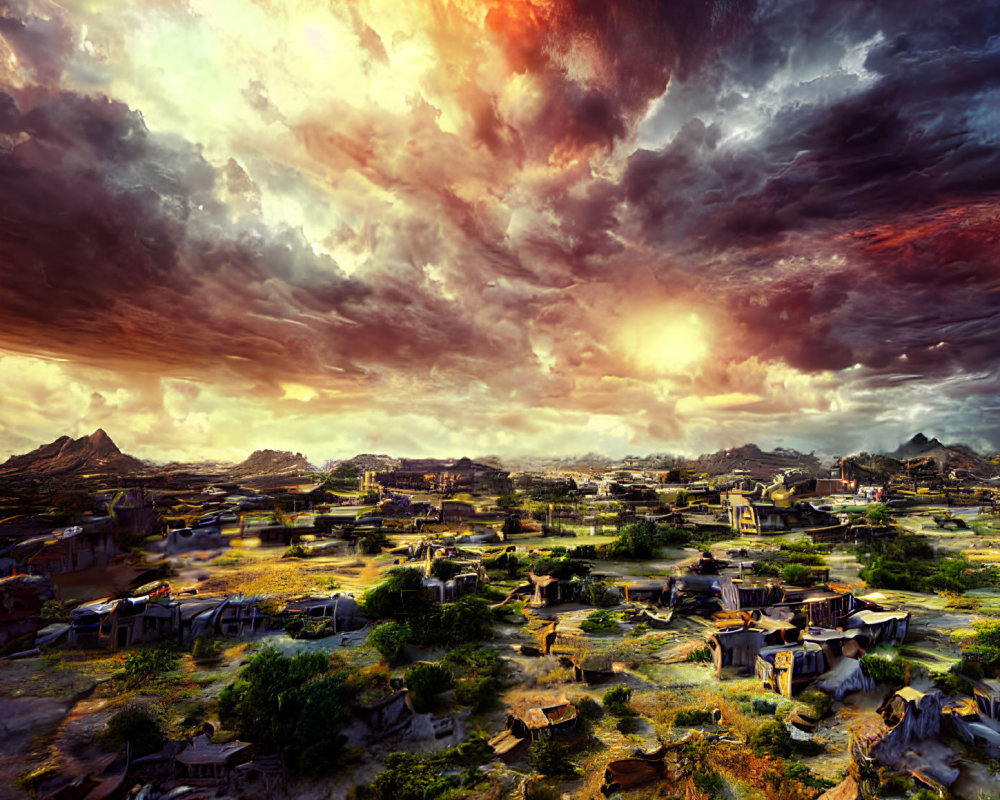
{"x": 95, "y": 453}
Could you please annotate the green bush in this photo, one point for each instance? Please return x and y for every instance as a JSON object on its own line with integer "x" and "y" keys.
{"x": 389, "y": 639}
{"x": 890, "y": 671}
{"x": 583, "y": 551}
{"x": 426, "y": 680}
{"x": 819, "y": 703}
{"x": 413, "y": 776}
{"x": 295, "y": 551}
{"x": 616, "y": 701}
{"x": 700, "y": 656}
{"x": 480, "y": 694}
{"x": 295, "y": 705}
{"x": 549, "y": 757}
{"x": 205, "y": 649}
{"x": 635, "y": 541}
{"x": 444, "y": 569}
{"x": 599, "y": 622}
{"x": 601, "y": 594}
{"x": 587, "y": 707}
{"x": 686, "y": 717}
{"x": 401, "y": 593}
{"x": 985, "y": 645}
{"x": 142, "y": 665}
{"x": 670, "y": 536}
{"x": 770, "y": 739}
{"x": 371, "y": 543}
{"x": 767, "y": 569}
{"x": 710, "y": 783}
{"x": 140, "y": 727}
{"x": 878, "y": 513}
{"x": 53, "y": 611}
{"x": 796, "y": 574}
{"x": 804, "y": 775}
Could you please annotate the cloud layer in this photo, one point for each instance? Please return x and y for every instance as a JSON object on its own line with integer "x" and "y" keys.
{"x": 509, "y": 227}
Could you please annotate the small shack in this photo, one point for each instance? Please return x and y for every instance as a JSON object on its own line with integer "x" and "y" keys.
{"x": 205, "y": 763}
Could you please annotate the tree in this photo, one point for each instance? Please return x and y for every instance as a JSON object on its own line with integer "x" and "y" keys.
{"x": 389, "y": 639}
{"x": 616, "y": 701}
{"x": 402, "y": 593}
{"x": 136, "y": 726}
{"x": 770, "y": 739}
{"x": 142, "y": 665}
{"x": 426, "y": 680}
{"x": 878, "y": 513}
{"x": 635, "y": 540}
{"x": 294, "y": 705}
{"x": 549, "y": 757}
{"x": 444, "y": 569}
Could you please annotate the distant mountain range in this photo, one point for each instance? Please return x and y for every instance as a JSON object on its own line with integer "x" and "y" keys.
{"x": 94, "y": 454}
{"x": 98, "y": 454}
{"x": 272, "y": 462}
{"x": 952, "y": 456}
{"x": 759, "y": 463}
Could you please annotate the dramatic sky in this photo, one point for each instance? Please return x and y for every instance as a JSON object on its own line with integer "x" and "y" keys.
{"x": 447, "y": 227}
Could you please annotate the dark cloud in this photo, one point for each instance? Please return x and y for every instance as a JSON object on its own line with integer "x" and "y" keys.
{"x": 116, "y": 247}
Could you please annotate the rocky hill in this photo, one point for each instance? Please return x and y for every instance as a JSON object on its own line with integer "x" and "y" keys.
{"x": 759, "y": 463}
{"x": 947, "y": 457}
{"x": 273, "y": 462}
{"x": 94, "y": 454}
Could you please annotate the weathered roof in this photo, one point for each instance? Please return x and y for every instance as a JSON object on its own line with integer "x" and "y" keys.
{"x": 203, "y": 751}
{"x": 910, "y": 695}
{"x": 876, "y": 617}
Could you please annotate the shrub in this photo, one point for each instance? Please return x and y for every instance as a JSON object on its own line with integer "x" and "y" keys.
{"x": 402, "y": 592}
{"x": 804, "y": 775}
{"x": 583, "y": 551}
{"x": 53, "y": 611}
{"x": 819, "y": 703}
{"x": 890, "y": 671}
{"x": 616, "y": 701}
{"x": 371, "y": 543}
{"x": 599, "y": 622}
{"x": 549, "y": 757}
{"x": 480, "y": 694}
{"x": 796, "y": 574}
{"x": 601, "y": 594}
{"x": 693, "y": 716}
{"x": 469, "y": 619}
{"x": 709, "y": 783}
{"x": 426, "y": 680}
{"x": 669, "y": 536}
{"x": 770, "y": 739}
{"x": 587, "y": 707}
{"x": 768, "y": 569}
{"x": 985, "y": 645}
{"x": 134, "y": 725}
{"x": 444, "y": 569}
{"x": 700, "y": 656}
{"x": 295, "y": 705}
{"x": 878, "y": 513}
{"x": 635, "y": 540}
{"x": 205, "y": 649}
{"x": 389, "y": 638}
{"x": 141, "y": 665}
{"x": 295, "y": 551}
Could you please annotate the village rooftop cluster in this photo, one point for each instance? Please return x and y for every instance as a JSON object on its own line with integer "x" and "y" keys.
{"x": 745, "y": 624}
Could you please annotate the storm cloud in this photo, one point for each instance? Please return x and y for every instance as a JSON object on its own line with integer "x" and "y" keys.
{"x": 524, "y": 225}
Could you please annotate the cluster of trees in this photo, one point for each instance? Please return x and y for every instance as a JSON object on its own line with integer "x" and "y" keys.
{"x": 909, "y": 562}
{"x": 415, "y": 617}
{"x": 639, "y": 540}
{"x": 293, "y": 705}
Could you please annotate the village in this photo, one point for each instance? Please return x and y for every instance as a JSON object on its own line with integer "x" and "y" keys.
{"x": 746, "y": 624}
